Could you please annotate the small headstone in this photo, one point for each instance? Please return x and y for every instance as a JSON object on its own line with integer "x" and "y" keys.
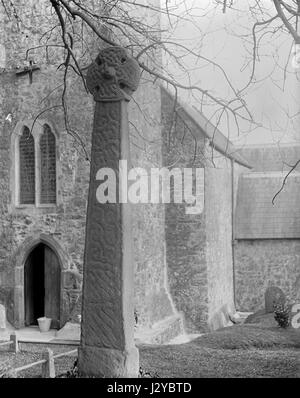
{"x": 2, "y": 317}
{"x": 273, "y": 295}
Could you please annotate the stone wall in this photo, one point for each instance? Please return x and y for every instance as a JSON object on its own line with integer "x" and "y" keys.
{"x": 152, "y": 301}
{"x": 64, "y": 225}
{"x": 61, "y": 226}
{"x": 263, "y": 255}
{"x": 185, "y": 233}
{"x": 218, "y": 211}
{"x": 264, "y": 263}
{"x": 199, "y": 246}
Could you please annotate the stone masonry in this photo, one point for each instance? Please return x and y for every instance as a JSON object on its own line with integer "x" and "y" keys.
{"x": 62, "y": 227}
{"x": 267, "y": 248}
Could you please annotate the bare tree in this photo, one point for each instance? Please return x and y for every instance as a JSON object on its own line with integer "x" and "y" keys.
{"x": 278, "y": 19}
{"x": 74, "y": 25}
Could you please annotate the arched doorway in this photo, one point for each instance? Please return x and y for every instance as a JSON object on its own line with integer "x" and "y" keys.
{"x": 42, "y": 275}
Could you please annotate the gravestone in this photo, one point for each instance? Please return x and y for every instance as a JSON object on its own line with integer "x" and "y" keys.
{"x": 2, "y": 318}
{"x": 107, "y": 341}
{"x": 273, "y": 295}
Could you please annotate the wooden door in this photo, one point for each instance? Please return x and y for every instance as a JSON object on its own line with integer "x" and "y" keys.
{"x": 52, "y": 287}
{"x": 28, "y": 292}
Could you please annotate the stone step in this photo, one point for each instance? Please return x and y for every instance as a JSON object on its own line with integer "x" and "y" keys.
{"x": 161, "y": 332}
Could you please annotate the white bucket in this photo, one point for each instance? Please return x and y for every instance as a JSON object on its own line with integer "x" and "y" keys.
{"x": 44, "y": 324}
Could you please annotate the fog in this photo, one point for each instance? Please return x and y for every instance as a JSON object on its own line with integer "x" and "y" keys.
{"x": 226, "y": 38}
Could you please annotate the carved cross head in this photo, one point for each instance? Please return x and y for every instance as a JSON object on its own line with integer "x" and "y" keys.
{"x": 113, "y": 76}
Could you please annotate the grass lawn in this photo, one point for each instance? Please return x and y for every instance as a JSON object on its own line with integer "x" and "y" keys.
{"x": 239, "y": 351}
{"x": 34, "y": 352}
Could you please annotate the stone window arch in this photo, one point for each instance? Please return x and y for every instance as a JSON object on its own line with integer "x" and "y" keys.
{"x": 34, "y": 165}
{"x": 48, "y": 166}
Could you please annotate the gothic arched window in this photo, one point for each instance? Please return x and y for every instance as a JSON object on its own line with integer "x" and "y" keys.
{"x": 48, "y": 166}
{"x": 27, "y": 168}
{"x": 34, "y": 165}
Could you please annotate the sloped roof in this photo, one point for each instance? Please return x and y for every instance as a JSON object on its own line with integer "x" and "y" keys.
{"x": 271, "y": 157}
{"x": 256, "y": 217}
{"x": 217, "y": 139}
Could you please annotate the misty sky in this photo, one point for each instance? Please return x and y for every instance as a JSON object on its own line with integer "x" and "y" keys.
{"x": 227, "y": 40}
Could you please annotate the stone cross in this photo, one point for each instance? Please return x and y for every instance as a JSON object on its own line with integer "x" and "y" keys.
{"x": 107, "y": 341}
